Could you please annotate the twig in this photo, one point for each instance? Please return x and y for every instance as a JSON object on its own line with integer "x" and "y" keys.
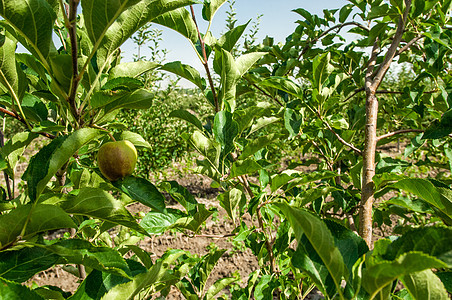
{"x": 214, "y": 236}
{"x": 351, "y": 146}
{"x": 205, "y": 62}
{"x": 392, "y": 49}
{"x": 387, "y": 135}
{"x": 267, "y": 94}
{"x": 106, "y": 130}
{"x": 330, "y": 166}
{"x": 384, "y": 92}
{"x": 7, "y": 182}
{"x": 20, "y": 119}
{"x": 338, "y": 27}
{"x": 409, "y": 44}
{"x": 260, "y": 220}
{"x": 72, "y": 29}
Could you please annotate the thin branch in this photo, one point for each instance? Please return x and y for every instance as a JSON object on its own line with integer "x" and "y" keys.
{"x": 260, "y": 220}
{"x": 390, "y": 134}
{"x": 72, "y": 29}
{"x": 205, "y": 62}
{"x": 20, "y": 119}
{"x": 392, "y": 49}
{"x": 16, "y": 99}
{"x": 330, "y": 166}
{"x": 351, "y": 146}
{"x": 265, "y": 93}
{"x": 338, "y": 27}
{"x": 7, "y": 182}
{"x": 409, "y": 44}
{"x": 384, "y": 92}
{"x": 214, "y": 236}
{"x": 357, "y": 91}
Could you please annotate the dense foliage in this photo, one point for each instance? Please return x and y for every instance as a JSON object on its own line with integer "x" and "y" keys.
{"x": 328, "y": 97}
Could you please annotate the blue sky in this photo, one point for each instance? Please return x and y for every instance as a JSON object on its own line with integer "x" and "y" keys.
{"x": 278, "y": 21}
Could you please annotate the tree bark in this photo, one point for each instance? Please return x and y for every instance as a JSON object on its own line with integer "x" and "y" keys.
{"x": 373, "y": 81}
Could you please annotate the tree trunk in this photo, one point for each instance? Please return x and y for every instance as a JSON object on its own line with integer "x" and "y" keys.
{"x": 367, "y": 185}
{"x": 373, "y": 81}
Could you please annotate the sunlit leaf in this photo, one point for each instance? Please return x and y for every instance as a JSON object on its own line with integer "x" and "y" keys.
{"x": 52, "y": 157}
{"x": 321, "y": 239}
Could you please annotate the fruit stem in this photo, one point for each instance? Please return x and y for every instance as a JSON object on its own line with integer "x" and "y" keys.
{"x": 106, "y": 130}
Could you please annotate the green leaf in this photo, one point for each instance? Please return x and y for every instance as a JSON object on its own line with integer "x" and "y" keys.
{"x": 434, "y": 241}
{"x": 96, "y": 203}
{"x": 381, "y": 274}
{"x": 14, "y": 291}
{"x": 21, "y": 265}
{"x": 38, "y": 218}
{"x": 99, "y": 15}
{"x": 345, "y": 12}
{"x": 255, "y": 145}
{"x": 446, "y": 278}
{"x": 210, "y": 8}
{"x": 97, "y": 283}
{"x": 207, "y": 147}
{"x": 219, "y": 285}
{"x": 305, "y": 224}
{"x": 136, "y": 139}
{"x": 52, "y": 157}
{"x": 437, "y": 130}
{"x": 293, "y": 179}
{"x": 139, "y": 99}
{"x": 225, "y": 130}
{"x": 123, "y": 83}
{"x": 181, "y": 195}
{"x": 230, "y": 74}
{"x": 15, "y": 147}
{"x": 187, "y": 72}
{"x": 180, "y": 20}
{"x": 292, "y": 122}
{"x": 283, "y": 84}
{"x": 157, "y": 223}
{"x": 111, "y": 25}
{"x": 187, "y": 116}
{"x": 105, "y": 259}
{"x": 424, "y": 189}
{"x": 140, "y": 282}
{"x": 61, "y": 70}
{"x": 242, "y": 167}
{"x": 306, "y": 259}
{"x": 246, "y": 61}
{"x": 351, "y": 245}
{"x": 132, "y": 69}
{"x": 34, "y": 109}
{"x": 31, "y": 21}
{"x": 321, "y": 69}
{"x": 202, "y": 270}
{"x": 194, "y": 223}
{"x": 425, "y": 285}
{"x": 263, "y": 122}
{"x": 230, "y": 38}
{"x": 230, "y": 200}
{"x": 9, "y": 70}
{"x": 143, "y": 191}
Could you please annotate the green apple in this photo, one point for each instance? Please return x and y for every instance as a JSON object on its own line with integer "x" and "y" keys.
{"x": 117, "y": 160}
